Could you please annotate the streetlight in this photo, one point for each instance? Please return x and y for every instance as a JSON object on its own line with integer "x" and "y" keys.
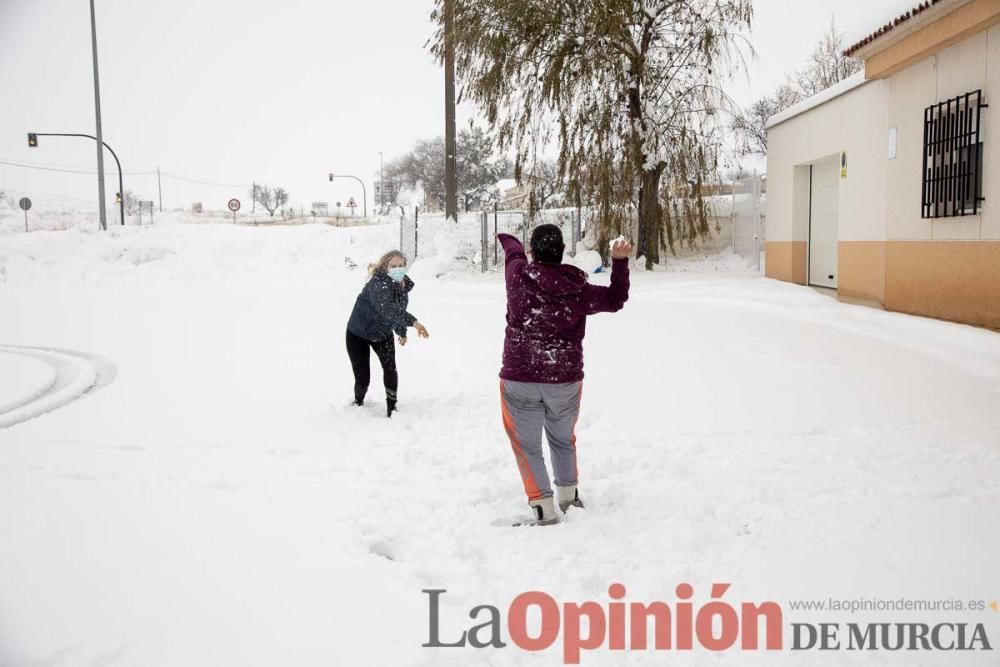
{"x": 33, "y": 143}
{"x": 97, "y": 112}
{"x": 364, "y": 193}
{"x": 381, "y": 183}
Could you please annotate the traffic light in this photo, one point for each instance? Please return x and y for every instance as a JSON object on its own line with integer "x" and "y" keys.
{"x": 32, "y": 140}
{"x": 118, "y": 198}
{"x": 331, "y": 176}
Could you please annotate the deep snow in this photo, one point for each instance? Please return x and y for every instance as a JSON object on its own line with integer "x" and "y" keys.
{"x": 220, "y": 504}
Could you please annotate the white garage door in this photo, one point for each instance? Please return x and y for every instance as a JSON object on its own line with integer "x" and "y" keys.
{"x": 823, "y": 224}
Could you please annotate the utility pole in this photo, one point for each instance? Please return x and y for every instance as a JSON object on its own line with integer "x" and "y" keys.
{"x": 102, "y": 212}
{"x": 450, "y": 167}
{"x": 159, "y": 187}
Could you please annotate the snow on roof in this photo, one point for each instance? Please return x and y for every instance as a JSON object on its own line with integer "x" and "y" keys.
{"x": 836, "y": 90}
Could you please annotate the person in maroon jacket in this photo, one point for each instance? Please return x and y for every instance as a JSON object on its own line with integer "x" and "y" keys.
{"x": 542, "y": 376}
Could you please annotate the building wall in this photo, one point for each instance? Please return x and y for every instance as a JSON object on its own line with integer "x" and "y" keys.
{"x": 854, "y": 122}
{"x": 945, "y": 267}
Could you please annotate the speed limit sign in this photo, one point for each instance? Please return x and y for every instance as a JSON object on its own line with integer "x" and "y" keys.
{"x": 234, "y": 205}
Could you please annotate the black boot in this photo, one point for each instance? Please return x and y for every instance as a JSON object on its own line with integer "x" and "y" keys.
{"x": 390, "y": 402}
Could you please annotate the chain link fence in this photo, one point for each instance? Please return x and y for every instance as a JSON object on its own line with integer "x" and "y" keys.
{"x": 749, "y": 215}
{"x": 517, "y": 223}
{"x": 737, "y": 221}
{"x": 409, "y": 230}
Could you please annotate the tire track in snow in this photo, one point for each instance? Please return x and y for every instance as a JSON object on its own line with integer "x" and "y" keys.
{"x": 77, "y": 374}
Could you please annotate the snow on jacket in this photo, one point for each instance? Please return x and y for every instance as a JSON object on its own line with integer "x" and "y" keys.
{"x": 380, "y": 309}
{"x": 547, "y": 309}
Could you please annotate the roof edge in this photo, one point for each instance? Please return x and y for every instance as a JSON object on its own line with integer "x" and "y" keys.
{"x": 856, "y": 80}
{"x": 901, "y": 27}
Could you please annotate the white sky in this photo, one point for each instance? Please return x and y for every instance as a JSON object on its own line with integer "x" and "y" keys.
{"x": 281, "y": 92}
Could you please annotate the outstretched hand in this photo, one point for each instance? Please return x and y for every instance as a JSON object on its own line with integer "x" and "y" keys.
{"x": 402, "y": 340}
{"x": 421, "y": 330}
{"x": 621, "y": 248}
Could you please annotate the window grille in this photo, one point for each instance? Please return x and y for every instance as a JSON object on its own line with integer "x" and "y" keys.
{"x": 953, "y": 157}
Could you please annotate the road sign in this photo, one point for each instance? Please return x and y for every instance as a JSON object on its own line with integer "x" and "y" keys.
{"x": 234, "y": 205}
{"x": 32, "y": 140}
{"x": 25, "y": 204}
{"x": 145, "y": 206}
{"x": 351, "y": 203}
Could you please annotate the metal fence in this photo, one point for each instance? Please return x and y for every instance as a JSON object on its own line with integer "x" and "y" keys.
{"x": 409, "y": 229}
{"x": 517, "y": 223}
{"x": 748, "y": 215}
{"x": 737, "y": 220}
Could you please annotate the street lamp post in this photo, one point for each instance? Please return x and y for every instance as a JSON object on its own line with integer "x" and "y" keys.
{"x": 33, "y": 143}
{"x": 364, "y": 192}
{"x": 100, "y": 137}
{"x": 381, "y": 183}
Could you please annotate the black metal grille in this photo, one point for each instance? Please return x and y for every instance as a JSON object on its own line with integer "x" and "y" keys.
{"x": 953, "y": 157}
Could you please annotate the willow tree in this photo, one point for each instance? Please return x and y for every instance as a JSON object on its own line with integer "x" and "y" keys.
{"x": 625, "y": 88}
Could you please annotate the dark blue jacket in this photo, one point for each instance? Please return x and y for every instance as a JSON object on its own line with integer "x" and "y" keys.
{"x": 381, "y": 308}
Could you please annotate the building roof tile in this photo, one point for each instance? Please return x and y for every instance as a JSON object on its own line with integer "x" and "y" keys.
{"x": 902, "y": 18}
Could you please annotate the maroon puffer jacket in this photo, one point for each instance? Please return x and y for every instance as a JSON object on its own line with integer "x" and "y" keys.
{"x": 547, "y": 309}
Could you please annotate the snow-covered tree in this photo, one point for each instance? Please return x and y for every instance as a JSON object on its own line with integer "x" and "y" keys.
{"x": 750, "y": 127}
{"x": 131, "y": 203}
{"x": 479, "y": 167}
{"x": 624, "y": 87}
{"x": 270, "y": 198}
{"x": 546, "y": 183}
{"x": 827, "y": 66}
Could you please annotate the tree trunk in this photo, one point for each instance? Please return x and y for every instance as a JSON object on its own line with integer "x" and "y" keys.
{"x": 450, "y": 146}
{"x": 648, "y": 240}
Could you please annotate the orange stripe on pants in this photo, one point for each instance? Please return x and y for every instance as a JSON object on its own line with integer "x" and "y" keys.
{"x": 530, "y": 486}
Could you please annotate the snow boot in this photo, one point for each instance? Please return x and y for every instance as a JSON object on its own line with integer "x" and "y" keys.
{"x": 544, "y": 510}
{"x": 358, "y": 401}
{"x": 390, "y": 402}
{"x": 568, "y": 496}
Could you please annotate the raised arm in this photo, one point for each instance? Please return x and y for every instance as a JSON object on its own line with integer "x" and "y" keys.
{"x": 514, "y": 255}
{"x": 610, "y": 299}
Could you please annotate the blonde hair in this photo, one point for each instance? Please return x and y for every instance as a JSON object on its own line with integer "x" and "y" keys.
{"x": 383, "y": 261}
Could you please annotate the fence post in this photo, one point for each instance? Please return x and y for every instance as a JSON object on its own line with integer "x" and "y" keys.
{"x": 756, "y": 218}
{"x": 574, "y": 227}
{"x": 483, "y": 227}
{"x": 732, "y": 215}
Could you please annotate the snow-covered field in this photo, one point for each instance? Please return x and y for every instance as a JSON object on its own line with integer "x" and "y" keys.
{"x": 219, "y": 503}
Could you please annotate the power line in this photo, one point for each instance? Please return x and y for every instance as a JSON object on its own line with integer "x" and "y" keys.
{"x": 201, "y": 182}
{"x": 43, "y": 167}
{"x": 68, "y": 170}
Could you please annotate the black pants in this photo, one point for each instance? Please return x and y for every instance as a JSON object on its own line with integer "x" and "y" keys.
{"x": 359, "y": 350}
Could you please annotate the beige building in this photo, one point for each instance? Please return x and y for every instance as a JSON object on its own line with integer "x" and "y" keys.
{"x": 886, "y": 187}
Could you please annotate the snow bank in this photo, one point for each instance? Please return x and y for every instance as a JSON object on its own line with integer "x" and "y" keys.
{"x": 221, "y": 503}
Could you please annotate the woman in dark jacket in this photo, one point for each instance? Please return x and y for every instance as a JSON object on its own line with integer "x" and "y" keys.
{"x": 380, "y": 311}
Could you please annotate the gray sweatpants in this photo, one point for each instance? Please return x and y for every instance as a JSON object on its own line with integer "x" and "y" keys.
{"x": 528, "y": 409}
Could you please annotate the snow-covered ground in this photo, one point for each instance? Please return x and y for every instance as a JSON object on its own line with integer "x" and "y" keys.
{"x": 219, "y": 503}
